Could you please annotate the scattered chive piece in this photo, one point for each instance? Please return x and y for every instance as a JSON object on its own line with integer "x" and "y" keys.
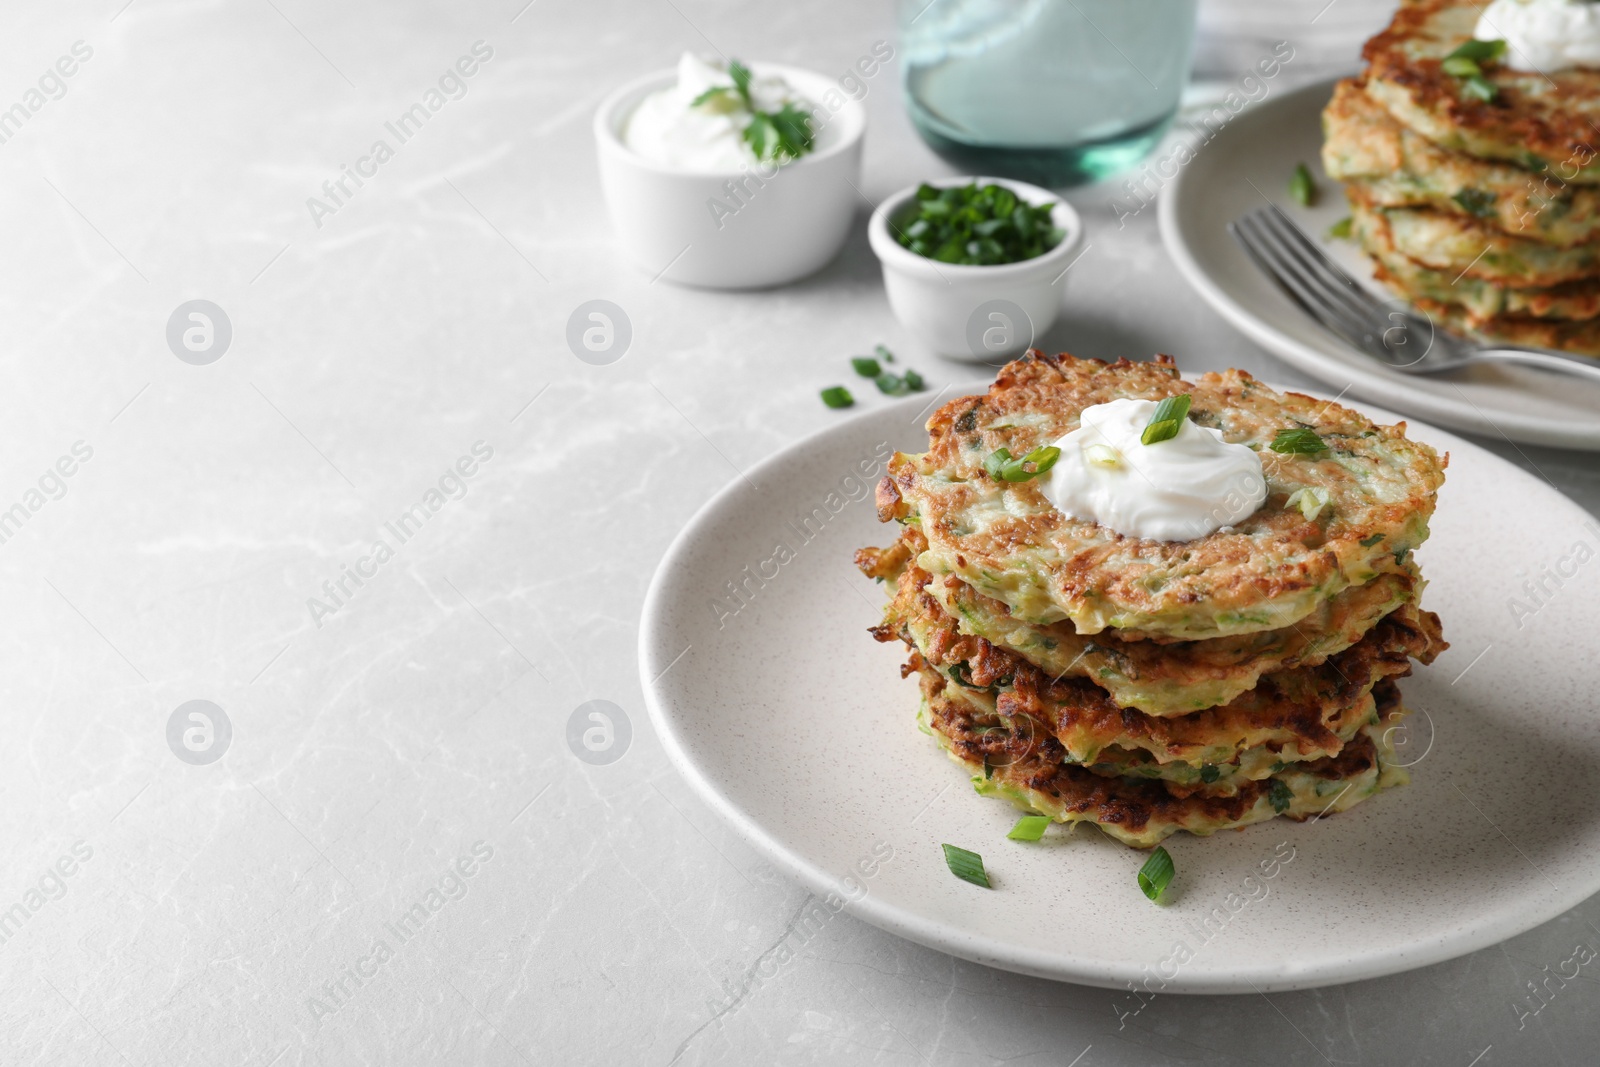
{"x": 1156, "y": 874}
{"x": 1368, "y": 542}
{"x": 1280, "y": 796}
{"x": 1460, "y": 66}
{"x": 967, "y": 866}
{"x": 913, "y": 380}
{"x": 1480, "y": 88}
{"x": 1298, "y": 440}
{"x": 884, "y": 353}
{"x": 1302, "y": 187}
{"x": 1479, "y": 51}
{"x": 1167, "y": 420}
{"x": 1341, "y": 229}
{"x": 1210, "y": 772}
{"x": 866, "y": 366}
{"x": 1029, "y": 828}
{"x": 1002, "y": 467}
{"x": 1310, "y": 499}
{"x": 837, "y": 396}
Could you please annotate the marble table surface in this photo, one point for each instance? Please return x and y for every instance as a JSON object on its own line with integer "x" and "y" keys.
{"x": 392, "y": 534}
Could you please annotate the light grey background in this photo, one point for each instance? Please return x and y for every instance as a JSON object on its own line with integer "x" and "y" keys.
{"x": 428, "y": 714}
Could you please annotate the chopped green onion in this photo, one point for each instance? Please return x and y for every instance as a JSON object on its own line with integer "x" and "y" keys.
{"x": 1167, "y": 420}
{"x": 1102, "y": 456}
{"x": 1341, "y": 229}
{"x": 1298, "y": 440}
{"x": 1301, "y": 186}
{"x": 866, "y": 366}
{"x": 913, "y": 380}
{"x": 1029, "y": 828}
{"x": 1460, "y": 66}
{"x": 837, "y": 396}
{"x": 1280, "y": 795}
{"x": 1480, "y": 88}
{"x": 1210, "y": 772}
{"x": 1479, "y": 51}
{"x": 1002, "y": 467}
{"x": 976, "y": 226}
{"x": 884, "y": 353}
{"x": 967, "y": 866}
{"x": 1156, "y": 874}
{"x": 1310, "y": 499}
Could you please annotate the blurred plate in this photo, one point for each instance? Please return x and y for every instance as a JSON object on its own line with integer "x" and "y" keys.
{"x": 1249, "y": 162}
{"x": 794, "y": 726}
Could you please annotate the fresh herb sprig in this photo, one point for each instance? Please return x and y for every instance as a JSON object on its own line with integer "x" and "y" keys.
{"x": 781, "y": 135}
{"x": 978, "y": 226}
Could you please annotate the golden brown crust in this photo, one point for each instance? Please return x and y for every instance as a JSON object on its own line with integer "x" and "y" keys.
{"x": 1538, "y": 120}
{"x": 1263, "y": 573}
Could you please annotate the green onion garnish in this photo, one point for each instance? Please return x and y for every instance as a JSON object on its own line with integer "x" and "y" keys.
{"x": 1167, "y": 420}
{"x": 1310, "y": 499}
{"x": 967, "y": 866}
{"x": 1460, "y": 66}
{"x": 1002, "y": 467}
{"x": 913, "y": 380}
{"x": 1479, "y": 51}
{"x": 1280, "y": 795}
{"x": 1480, "y": 88}
{"x": 1341, "y": 229}
{"x": 1299, "y": 441}
{"x": 1029, "y": 828}
{"x": 866, "y": 366}
{"x": 884, "y": 353}
{"x": 1156, "y": 874}
{"x": 891, "y": 384}
{"x": 1301, "y": 186}
{"x": 837, "y": 396}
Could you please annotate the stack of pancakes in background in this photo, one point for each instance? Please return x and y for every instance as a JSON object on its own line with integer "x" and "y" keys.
{"x": 1156, "y": 686}
{"x": 1484, "y": 213}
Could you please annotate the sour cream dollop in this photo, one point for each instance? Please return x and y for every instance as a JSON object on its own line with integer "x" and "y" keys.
{"x": 1544, "y": 35}
{"x": 1174, "y": 490}
{"x": 667, "y": 128}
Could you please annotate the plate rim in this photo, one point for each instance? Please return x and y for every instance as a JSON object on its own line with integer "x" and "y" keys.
{"x": 951, "y": 940}
{"x": 1370, "y": 382}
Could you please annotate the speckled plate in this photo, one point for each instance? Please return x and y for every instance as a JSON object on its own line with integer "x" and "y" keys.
{"x": 1249, "y": 161}
{"x": 794, "y": 725}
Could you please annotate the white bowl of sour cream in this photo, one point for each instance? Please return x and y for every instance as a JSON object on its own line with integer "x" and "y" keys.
{"x": 981, "y": 314}
{"x": 691, "y": 203}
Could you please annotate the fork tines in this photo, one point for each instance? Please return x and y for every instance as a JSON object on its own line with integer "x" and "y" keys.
{"x": 1310, "y": 278}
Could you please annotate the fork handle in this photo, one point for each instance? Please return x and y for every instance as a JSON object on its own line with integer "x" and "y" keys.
{"x": 1561, "y": 362}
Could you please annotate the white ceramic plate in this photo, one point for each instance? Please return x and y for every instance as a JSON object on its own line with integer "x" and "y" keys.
{"x": 1249, "y": 161}
{"x": 793, "y": 724}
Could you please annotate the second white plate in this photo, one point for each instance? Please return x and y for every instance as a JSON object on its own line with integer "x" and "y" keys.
{"x": 793, "y": 724}
{"x": 1248, "y": 162}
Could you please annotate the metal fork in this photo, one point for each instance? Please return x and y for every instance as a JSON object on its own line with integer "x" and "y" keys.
{"x": 1391, "y": 333}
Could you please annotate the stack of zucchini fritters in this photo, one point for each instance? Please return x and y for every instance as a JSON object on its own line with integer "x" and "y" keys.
{"x": 1478, "y": 196}
{"x": 1156, "y": 686}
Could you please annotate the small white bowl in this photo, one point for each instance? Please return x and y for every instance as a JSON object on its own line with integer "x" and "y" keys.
{"x": 783, "y": 227}
{"x": 977, "y": 314}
